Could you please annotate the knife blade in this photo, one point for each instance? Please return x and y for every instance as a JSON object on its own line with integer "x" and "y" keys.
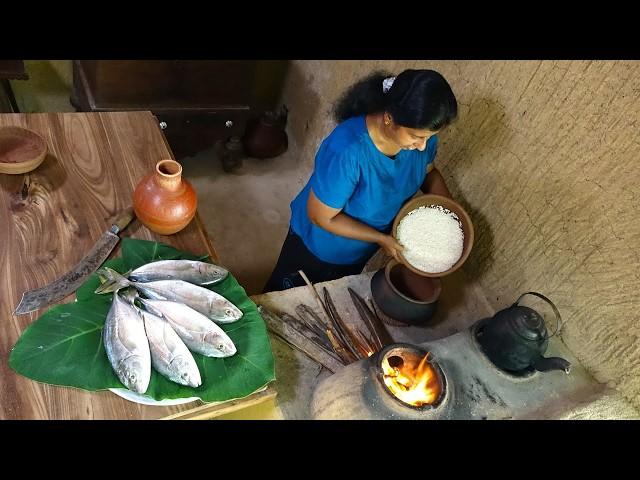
{"x": 42, "y": 297}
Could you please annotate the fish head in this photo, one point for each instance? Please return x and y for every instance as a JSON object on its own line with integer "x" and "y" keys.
{"x": 135, "y": 374}
{"x": 129, "y": 294}
{"x": 223, "y": 345}
{"x": 232, "y": 313}
{"x": 187, "y": 373}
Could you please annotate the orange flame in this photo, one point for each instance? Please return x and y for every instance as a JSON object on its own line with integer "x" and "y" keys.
{"x": 416, "y": 386}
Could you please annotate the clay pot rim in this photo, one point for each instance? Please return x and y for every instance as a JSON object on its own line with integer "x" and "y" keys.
{"x": 387, "y": 274}
{"x": 418, "y": 350}
{"x": 430, "y": 199}
{"x": 26, "y": 165}
{"x": 168, "y": 161}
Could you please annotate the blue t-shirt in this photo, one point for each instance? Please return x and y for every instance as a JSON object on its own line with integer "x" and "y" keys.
{"x": 352, "y": 174}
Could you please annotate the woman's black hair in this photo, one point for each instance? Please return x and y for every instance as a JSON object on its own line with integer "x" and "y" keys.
{"x": 417, "y": 99}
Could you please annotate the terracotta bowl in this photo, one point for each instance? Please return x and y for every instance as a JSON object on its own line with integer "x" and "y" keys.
{"x": 21, "y": 150}
{"x": 467, "y": 228}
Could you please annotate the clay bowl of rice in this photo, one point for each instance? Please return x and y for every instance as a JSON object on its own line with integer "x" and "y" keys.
{"x": 436, "y": 233}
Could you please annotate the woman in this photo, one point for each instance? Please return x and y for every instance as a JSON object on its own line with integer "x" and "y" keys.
{"x": 376, "y": 159}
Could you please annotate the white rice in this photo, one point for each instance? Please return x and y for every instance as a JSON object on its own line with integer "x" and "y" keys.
{"x": 432, "y": 238}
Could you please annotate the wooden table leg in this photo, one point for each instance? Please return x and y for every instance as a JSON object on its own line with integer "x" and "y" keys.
{"x": 6, "y": 86}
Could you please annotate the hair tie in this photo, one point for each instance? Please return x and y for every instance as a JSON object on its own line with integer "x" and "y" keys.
{"x": 387, "y": 83}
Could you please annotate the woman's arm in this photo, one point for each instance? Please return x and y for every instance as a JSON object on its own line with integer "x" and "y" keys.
{"x": 434, "y": 183}
{"x": 338, "y": 223}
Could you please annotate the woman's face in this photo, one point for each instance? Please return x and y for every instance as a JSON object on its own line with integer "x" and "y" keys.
{"x": 407, "y": 138}
{"x": 411, "y": 138}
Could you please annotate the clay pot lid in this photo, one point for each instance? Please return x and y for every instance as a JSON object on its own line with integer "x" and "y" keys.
{"x": 21, "y": 150}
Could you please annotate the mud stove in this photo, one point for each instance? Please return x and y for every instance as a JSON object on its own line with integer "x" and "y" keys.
{"x": 450, "y": 378}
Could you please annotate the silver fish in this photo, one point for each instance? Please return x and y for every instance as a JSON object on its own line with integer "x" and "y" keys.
{"x": 169, "y": 355}
{"x": 207, "y": 302}
{"x": 198, "y": 332}
{"x": 198, "y": 273}
{"x": 127, "y": 346}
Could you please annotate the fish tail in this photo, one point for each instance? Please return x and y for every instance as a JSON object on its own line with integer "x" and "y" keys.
{"x": 130, "y": 295}
{"x": 114, "y": 281}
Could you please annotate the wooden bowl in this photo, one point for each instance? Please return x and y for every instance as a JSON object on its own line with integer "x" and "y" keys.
{"x": 21, "y": 150}
{"x": 467, "y": 229}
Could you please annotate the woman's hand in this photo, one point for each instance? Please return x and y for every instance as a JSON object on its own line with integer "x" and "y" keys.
{"x": 334, "y": 221}
{"x": 391, "y": 246}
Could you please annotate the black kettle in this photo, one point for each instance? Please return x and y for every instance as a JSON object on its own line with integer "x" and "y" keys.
{"x": 515, "y": 339}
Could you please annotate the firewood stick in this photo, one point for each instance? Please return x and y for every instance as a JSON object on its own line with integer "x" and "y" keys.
{"x": 323, "y": 308}
{"x": 366, "y": 320}
{"x": 320, "y": 340}
{"x": 367, "y": 351}
{"x": 352, "y": 340}
{"x": 337, "y": 329}
{"x": 375, "y": 337}
{"x": 373, "y": 307}
{"x": 369, "y": 342}
{"x": 383, "y": 333}
{"x": 312, "y": 320}
{"x": 342, "y": 344}
{"x": 306, "y": 310}
{"x": 372, "y": 330}
{"x": 339, "y": 326}
{"x": 376, "y": 316}
{"x": 338, "y": 334}
{"x": 305, "y": 321}
{"x": 379, "y": 329}
{"x": 285, "y": 331}
{"x": 342, "y": 353}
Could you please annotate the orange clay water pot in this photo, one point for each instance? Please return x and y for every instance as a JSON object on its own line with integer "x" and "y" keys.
{"x": 164, "y": 201}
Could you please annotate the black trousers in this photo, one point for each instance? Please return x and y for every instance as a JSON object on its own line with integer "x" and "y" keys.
{"x": 296, "y": 256}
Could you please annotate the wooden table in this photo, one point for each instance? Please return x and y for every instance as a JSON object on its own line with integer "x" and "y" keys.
{"x": 49, "y": 220}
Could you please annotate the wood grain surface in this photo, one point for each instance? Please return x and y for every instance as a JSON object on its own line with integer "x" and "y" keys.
{"x": 50, "y": 218}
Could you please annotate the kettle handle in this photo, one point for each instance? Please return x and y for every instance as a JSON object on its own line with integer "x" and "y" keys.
{"x": 555, "y": 310}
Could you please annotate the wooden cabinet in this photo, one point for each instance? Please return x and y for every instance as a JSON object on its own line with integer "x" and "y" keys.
{"x": 10, "y": 70}
{"x": 197, "y": 102}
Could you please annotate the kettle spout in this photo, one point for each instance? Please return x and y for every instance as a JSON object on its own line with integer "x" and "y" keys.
{"x": 544, "y": 364}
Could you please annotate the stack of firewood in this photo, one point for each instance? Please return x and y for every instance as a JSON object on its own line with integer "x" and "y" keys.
{"x": 329, "y": 340}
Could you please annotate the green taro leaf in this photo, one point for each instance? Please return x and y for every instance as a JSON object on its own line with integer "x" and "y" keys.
{"x": 64, "y": 346}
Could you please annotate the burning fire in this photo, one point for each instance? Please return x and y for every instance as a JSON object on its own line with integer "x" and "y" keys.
{"x": 415, "y": 386}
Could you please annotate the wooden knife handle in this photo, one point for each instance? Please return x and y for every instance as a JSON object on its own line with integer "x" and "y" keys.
{"x": 122, "y": 220}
